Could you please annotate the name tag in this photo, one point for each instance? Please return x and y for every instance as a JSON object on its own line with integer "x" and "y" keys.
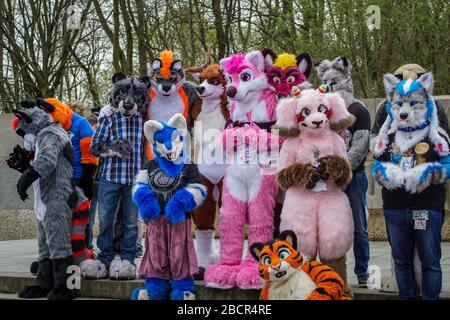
{"x": 420, "y": 219}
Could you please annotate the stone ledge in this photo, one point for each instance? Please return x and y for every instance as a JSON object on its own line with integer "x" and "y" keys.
{"x": 11, "y": 283}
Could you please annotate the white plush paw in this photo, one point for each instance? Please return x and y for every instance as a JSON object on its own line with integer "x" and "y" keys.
{"x": 394, "y": 176}
{"x": 122, "y": 270}
{"x": 93, "y": 269}
{"x": 188, "y": 295}
{"x": 389, "y": 284}
{"x": 143, "y": 295}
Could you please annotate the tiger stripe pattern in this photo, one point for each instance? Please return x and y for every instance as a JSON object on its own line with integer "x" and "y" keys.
{"x": 287, "y": 274}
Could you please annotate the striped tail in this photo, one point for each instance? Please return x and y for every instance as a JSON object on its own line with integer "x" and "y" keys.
{"x": 80, "y": 219}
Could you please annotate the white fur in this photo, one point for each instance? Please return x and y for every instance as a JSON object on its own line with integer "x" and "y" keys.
{"x": 244, "y": 181}
{"x": 196, "y": 190}
{"x": 407, "y": 140}
{"x": 256, "y": 109}
{"x": 298, "y": 287}
{"x": 150, "y": 128}
{"x": 163, "y": 108}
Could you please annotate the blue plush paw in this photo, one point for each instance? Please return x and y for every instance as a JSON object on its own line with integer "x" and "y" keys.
{"x": 181, "y": 203}
{"x": 177, "y": 295}
{"x": 158, "y": 289}
{"x": 147, "y": 204}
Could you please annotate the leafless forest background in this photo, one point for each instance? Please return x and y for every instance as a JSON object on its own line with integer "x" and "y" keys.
{"x": 41, "y": 56}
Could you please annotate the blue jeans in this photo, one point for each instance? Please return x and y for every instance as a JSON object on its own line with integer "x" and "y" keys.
{"x": 403, "y": 237}
{"x": 91, "y": 222}
{"x": 108, "y": 197}
{"x": 356, "y": 193}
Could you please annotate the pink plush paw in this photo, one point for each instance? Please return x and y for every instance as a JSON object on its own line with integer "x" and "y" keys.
{"x": 248, "y": 276}
{"x": 221, "y": 276}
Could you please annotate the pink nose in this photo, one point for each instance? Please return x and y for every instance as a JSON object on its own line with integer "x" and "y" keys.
{"x": 277, "y": 266}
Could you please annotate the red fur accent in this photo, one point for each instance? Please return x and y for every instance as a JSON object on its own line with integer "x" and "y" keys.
{"x": 15, "y": 124}
{"x": 83, "y": 206}
{"x": 78, "y": 222}
{"x": 78, "y": 236}
{"x": 77, "y": 254}
{"x": 329, "y": 113}
{"x": 299, "y": 118}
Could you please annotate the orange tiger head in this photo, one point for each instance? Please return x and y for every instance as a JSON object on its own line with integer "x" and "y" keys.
{"x": 278, "y": 259}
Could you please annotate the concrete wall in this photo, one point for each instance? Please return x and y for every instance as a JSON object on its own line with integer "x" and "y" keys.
{"x": 17, "y": 219}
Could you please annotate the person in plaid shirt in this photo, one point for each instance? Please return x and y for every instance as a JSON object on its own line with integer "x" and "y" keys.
{"x": 119, "y": 140}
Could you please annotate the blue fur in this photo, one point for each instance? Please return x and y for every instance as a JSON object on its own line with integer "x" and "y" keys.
{"x": 415, "y": 85}
{"x": 135, "y": 293}
{"x": 445, "y": 162}
{"x": 180, "y": 286}
{"x": 378, "y": 166}
{"x": 157, "y": 289}
{"x": 389, "y": 110}
{"x": 430, "y": 108}
{"x": 171, "y": 168}
{"x": 428, "y": 170}
{"x": 181, "y": 203}
{"x": 145, "y": 200}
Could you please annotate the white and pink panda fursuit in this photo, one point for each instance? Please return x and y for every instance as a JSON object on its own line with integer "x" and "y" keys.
{"x": 249, "y": 191}
{"x": 314, "y": 170}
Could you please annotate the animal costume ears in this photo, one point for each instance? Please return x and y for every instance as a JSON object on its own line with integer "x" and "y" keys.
{"x": 152, "y": 126}
{"x": 257, "y": 59}
{"x": 118, "y": 76}
{"x": 290, "y": 237}
{"x": 21, "y": 115}
{"x": 287, "y": 235}
{"x": 145, "y": 80}
{"x": 27, "y": 104}
{"x": 304, "y": 63}
{"x": 269, "y": 57}
{"x": 44, "y": 105}
{"x": 340, "y": 63}
{"x": 287, "y": 110}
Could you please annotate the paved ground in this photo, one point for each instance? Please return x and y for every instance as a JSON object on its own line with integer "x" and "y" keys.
{"x": 17, "y": 255}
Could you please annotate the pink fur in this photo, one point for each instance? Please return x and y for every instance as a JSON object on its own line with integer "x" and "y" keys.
{"x": 322, "y": 220}
{"x": 231, "y": 64}
{"x": 271, "y": 103}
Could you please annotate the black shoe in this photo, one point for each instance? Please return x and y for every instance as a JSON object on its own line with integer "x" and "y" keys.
{"x": 34, "y": 268}
{"x": 60, "y": 275}
{"x": 43, "y": 284}
{"x": 200, "y": 275}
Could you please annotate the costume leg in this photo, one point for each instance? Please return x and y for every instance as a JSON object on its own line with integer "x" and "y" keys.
{"x": 156, "y": 289}
{"x": 130, "y": 228}
{"x": 261, "y": 226}
{"x": 44, "y": 276}
{"x": 231, "y": 228}
{"x": 299, "y": 214}
{"x": 60, "y": 275}
{"x": 204, "y": 218}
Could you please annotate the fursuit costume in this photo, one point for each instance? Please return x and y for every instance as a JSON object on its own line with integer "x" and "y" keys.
{"x": 119, "y": 141}
{"x": 405, "y": 72}
{"x": 209, "y": 116}
{"x": 336, "y": 75}
{"x": 313, "y": 170}
{"x": 52, "y": 168}
{"x": 412, "y": 165}
{"x": 249, "y": 187}
{"x": 166, "y": 193}
{"x": 288, "y": 275}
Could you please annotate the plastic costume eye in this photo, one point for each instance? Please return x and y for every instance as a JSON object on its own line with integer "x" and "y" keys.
{"x": 123, "y": 92}
{"x": 291, "y": 79}
{"x": 322, "y": 108}
{"x": 276, "y": 79}
{"x": 283, "y": 254}
{"x": 245, "y": 76}
{"x": 266, "y": 260}
{"x": 399, "y": 103}
{"x": 305, "y": 112}
{"x": 414, "y": 102}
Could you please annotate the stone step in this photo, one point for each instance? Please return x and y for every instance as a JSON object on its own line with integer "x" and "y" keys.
{"x": 11, "y": 283}
{"x": 13, "y": 296}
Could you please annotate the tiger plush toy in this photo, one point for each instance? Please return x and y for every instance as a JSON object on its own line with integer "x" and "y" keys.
{"x": 288, "y": 275}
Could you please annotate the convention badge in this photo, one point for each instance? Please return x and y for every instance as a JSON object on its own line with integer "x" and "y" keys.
{"x": 420, "y": 214}
{"x": 421, "y": 148}
{"x": 420, "y": 224}
{"x": 407, "y": 163}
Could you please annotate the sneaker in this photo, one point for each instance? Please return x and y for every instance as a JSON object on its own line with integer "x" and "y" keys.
{"x": 362, "y": 283}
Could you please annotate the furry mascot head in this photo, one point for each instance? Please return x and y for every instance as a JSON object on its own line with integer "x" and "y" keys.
{"x": 288, "y": 275}
{"x": 129, "y": 95}
{"x": 251, "y": 99}
{"x": 166, "y": 74}
{"x": 287, "y": 70}
{"x": 168, "y": 142}
{"x": 411, "y": 109}
{"x": 312, "y": 111}
{"x": 336, "y": 75}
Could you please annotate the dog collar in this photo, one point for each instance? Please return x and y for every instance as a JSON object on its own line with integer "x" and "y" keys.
{"x": 411, "y": 129}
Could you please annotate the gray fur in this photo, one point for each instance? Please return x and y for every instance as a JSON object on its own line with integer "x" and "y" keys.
{"x": 120, "y": 148}
{"x": 337, "y": 75}
{"x": 358, "y": 151}
{"x": 55, "y": 172}
{"x": 134, "y": 92}
{"x": 389, "y": 82}
{"x": 40, "y": 118}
